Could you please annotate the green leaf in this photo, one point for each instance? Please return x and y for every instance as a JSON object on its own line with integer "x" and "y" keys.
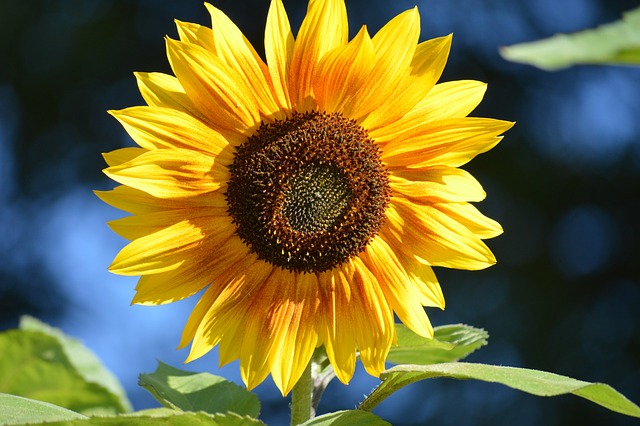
{"x": 189, "y": 391}
{"x": 35, "y": 365}
{"x": 615, "y": 43}
{"x": 16, "y": 410}
{"x": 85, "y": 362}
{"x": 535, "y": 382}
{"x": 347, "y": 418}
{"x": 170, "y": 418}
{"x": 450, "y": 343}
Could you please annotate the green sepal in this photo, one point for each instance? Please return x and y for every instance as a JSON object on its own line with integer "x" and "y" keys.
{"x": 615, "y": 43}
{"x": 188, "y": 391}
{"x": 535, "y": 382}
{"x": 450, "y": 343}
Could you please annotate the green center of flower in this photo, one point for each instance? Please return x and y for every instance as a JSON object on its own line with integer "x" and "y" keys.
{"x": 308, "y": 193}
{"x": 317, "y": 197}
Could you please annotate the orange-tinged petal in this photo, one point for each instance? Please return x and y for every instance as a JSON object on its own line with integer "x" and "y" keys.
{"x": 171, "y": 173}
{"x": 219, "y": 92}
{"x": 342, "y": 71}
{"x": 278, "y": 46}
{"x": 324, "y": 27}
{"x": 154, "y": 127}
{"x": 436, "y": 184}
{"x": 428, "y": 63}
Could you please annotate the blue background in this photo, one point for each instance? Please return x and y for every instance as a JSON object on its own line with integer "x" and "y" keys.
{"x": 564, "y": 183}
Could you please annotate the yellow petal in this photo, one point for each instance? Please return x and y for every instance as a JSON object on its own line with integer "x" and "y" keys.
{"x": 122, "y": 155}
{"x": 435, "y": 237}
{"x": 159, "y": 252}
{"x": 128, "y": 199}
{"x": 229, "y": 258}
{"x": 171, "y": 173}
{"x": 399, "y": 290}
{"x": 195, "y": 318}
{"x": 436, "y": 184}
{"x": 452, "y": 142}
{"x": 196, "y": 34}
{"x": 395, "y": 45}
{"x": 257, "y": 335}
{"x": 237, "y": 52}
{"x": 132, "y": 227}
{"x": 334, "y": 328}
{"x": 293, "y": 324}
{"x": 372, "y": 317}
{"x": 139, "y": 202}
{"x": 455, "y": 99}
{"x": 154, "y": 127}
{"x": 217, "y": 90}
{"x": 342, "y": 72}
{"x": 278, "y": 46}
{"x": 225, "y": 321}
{"x": 324, "y": 27}
{"x": 422, "y": 278}
{"x": 171, "y": 286}
{"x": 236, "y": 289}
{"x": 469, "y": 216}
{"x": 426, "y": 68}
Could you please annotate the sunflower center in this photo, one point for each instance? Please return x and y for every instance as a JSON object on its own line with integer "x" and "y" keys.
{"x": 316, "y": 198}
{"x": 308, "y": 193}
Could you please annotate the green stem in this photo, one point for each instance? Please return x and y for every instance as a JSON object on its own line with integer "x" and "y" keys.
{"x": 301, "y": 408}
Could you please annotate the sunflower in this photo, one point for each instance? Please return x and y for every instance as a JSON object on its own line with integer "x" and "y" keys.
{"x": 308, "y": 196}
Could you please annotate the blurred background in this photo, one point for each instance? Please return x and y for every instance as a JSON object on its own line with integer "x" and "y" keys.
{"x": 563, "y": 297}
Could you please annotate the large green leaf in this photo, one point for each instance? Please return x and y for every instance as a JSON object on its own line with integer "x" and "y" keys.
{"x": 168, "y": 418}
{"x": 85, "y": 362}
{"x": 16, "y": 410}
{"x": 615, "y": 43}
{"x": 35, "y": 365}
{"x": 450, "y": 343}
{"x": 199, "y": 392}
{"x": 347, "y": 418}
{"x": 535, "y": 382}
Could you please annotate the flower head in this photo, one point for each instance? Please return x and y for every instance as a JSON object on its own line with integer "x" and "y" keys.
{"x": 309, "y": 195}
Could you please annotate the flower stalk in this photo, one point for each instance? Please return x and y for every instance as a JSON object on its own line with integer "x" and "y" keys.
{"x": 301, "y": 407}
